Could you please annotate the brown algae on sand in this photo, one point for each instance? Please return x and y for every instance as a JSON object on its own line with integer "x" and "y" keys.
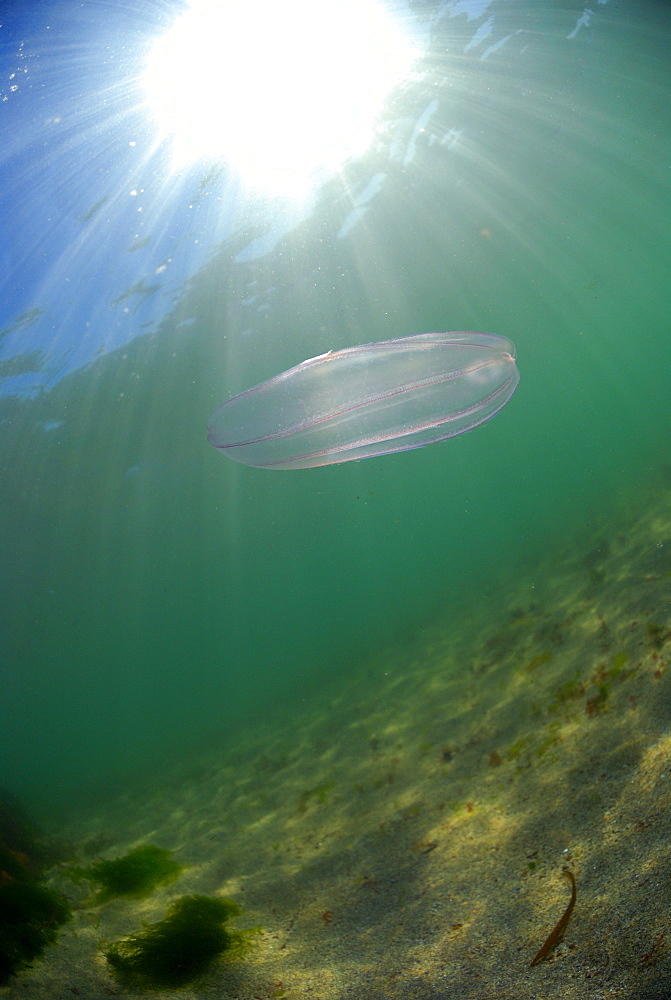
{"x": 556, "y": 935}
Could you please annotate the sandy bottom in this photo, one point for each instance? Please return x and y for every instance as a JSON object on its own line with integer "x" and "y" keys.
{"x": 405, "y": 837}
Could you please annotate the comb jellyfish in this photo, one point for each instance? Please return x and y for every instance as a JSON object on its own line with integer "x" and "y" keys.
{"x": 375, "y": 399}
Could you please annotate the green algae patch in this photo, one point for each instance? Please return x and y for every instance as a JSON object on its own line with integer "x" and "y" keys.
{"x": 518, "y": 747}
{"x": 30, "y": 915}
{"x": 179, "y": 948}
{"x": 320, "y": 794}
{"x": 570, "y": 691}
{"x": 135, "y": 875}
{"x": 536, "y": 662}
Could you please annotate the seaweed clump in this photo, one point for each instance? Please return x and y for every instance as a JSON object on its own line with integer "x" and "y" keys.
{"x": 30, "y": 914}
{"x": 178, "y": 948}
{"x": 137, "y": 874}
{"x": 18, "y": 835}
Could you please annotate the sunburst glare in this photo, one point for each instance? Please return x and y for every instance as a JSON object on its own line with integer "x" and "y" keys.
{"x": 284, "y": 94}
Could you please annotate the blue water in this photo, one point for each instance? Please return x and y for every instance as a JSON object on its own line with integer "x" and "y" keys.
{"x": 156, "y": 599}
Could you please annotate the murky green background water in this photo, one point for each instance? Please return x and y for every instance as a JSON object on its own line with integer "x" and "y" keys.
{"x": 155, "y": 596}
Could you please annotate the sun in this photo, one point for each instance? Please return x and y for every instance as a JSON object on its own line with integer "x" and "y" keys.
{"x": 280, "y": 92}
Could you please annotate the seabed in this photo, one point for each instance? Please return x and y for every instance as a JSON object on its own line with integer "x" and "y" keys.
{"x": 405, "y": 836}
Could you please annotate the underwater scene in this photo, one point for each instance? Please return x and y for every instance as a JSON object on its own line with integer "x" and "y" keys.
{"x": 335, "y": 556}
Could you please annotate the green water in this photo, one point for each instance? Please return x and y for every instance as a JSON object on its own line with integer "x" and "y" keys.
{"x": 157, "y": 597}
